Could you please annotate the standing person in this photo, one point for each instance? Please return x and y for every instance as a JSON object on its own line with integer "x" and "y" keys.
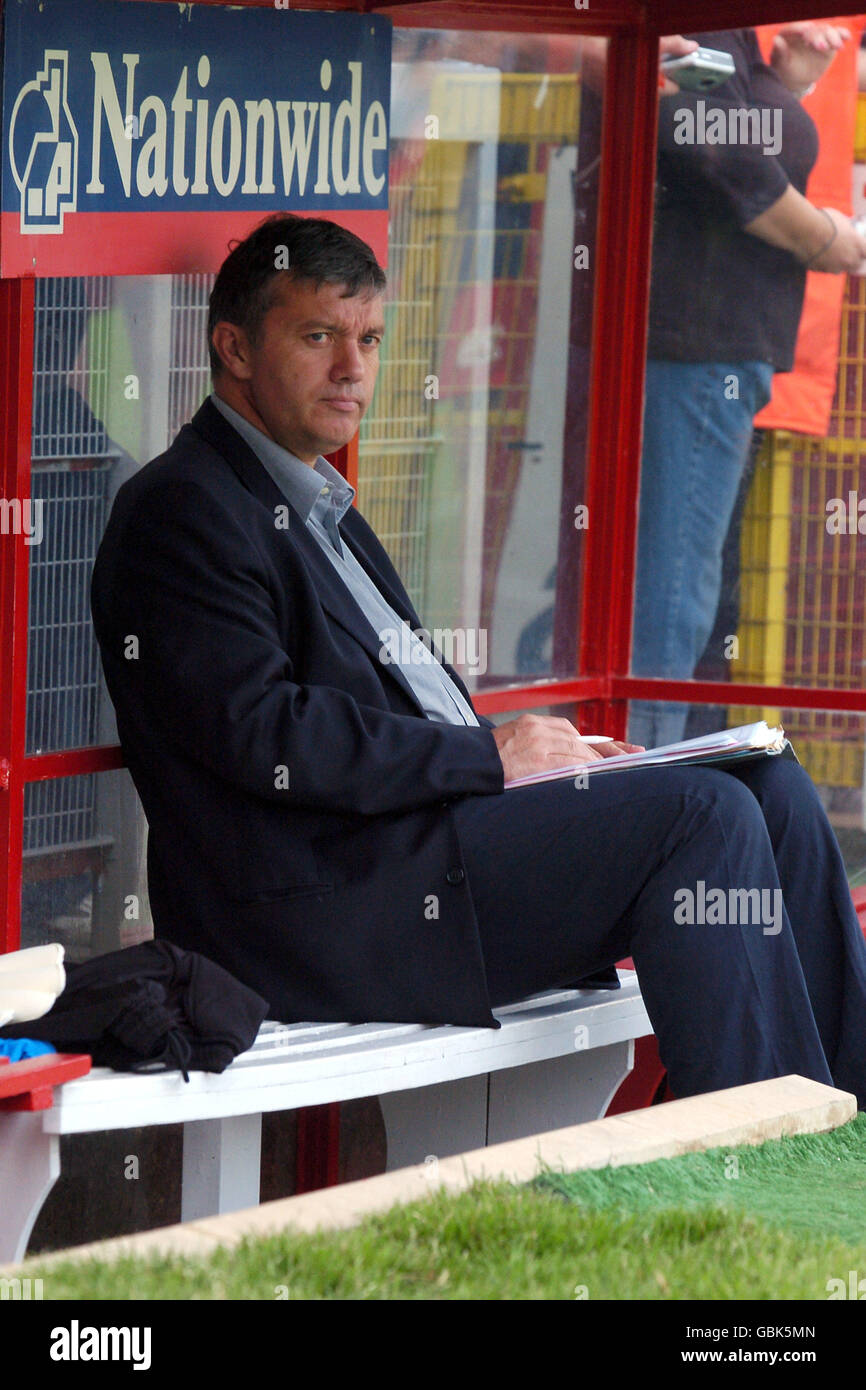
{"x": 734, "y": 237}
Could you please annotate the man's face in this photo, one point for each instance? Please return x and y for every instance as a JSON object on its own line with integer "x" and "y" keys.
{"x": 309, "y": 379}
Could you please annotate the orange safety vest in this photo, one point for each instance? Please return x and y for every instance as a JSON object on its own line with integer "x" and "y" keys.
{"x": 802, "y": 398}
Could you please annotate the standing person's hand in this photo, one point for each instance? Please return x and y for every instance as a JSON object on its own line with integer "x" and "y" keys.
{"x": 803, "y": 51}
{"x": 673, "y": 46}
{"x": 845, "y": 251}
{"x": 820, "y": 238}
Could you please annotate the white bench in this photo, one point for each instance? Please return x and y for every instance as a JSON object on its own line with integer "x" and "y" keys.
{"x": 557, "y": 1060}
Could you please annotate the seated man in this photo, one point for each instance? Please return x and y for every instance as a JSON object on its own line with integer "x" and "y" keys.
{"x": 332, "y": 827}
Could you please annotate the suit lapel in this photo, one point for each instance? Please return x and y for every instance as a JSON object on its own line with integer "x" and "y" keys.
{"x": 331, "y": 591}
{"x": 355, "y": 530}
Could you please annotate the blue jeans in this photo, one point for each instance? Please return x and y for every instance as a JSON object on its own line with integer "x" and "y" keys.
{"x": 695, "y": 447}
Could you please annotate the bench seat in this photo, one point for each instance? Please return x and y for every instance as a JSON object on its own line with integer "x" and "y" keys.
{"x": 557, "y": 1060}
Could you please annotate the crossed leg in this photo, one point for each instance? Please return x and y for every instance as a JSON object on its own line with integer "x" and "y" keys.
{"x": 566, "y": 880}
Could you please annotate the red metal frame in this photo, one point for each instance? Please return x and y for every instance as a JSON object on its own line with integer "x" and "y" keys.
{"x": 581, "y": 690}
{"x": 610, "y": 691}
{"x": 16, "y": 407}
{"x": 317, "y": 1149}
{"x": 619, "y": 339}
{"x": 737, "y": 693}
{"x": 29, "y": 1085}
{"x": 561, "y": 16}
{"x": 345, "y": 460}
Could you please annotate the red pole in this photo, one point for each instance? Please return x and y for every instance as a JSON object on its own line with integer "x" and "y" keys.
{"x": 16, "y": 405}
{"x": 345, "y": 460}
{"x": 628, "y": 163}
{"x": 318, "y": 1148}
{"x": 318, "y": 1145}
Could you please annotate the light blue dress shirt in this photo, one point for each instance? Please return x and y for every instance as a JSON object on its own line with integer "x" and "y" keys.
{"x": 322, "y": 497}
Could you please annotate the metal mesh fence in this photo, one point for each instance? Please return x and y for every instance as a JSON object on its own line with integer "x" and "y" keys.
{"x": 397, "y": 440}
{"x": 72, "y": 455}
{"x": 188, "y": 367}
{"x": 70, "y": 367}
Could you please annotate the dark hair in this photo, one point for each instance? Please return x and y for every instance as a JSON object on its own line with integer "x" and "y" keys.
{"x": 304, "y": 248}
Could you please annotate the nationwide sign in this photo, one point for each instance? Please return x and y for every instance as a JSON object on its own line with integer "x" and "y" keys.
{"x": 140, "y": 138}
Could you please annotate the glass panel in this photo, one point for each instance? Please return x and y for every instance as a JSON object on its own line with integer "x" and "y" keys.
{"x": 106, "y": 398}
{"x": 748, "y": 566}
{"x": 472, "y": 455}
{"x": 84, "y": 865}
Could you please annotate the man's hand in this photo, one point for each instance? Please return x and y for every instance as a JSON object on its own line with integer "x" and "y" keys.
{"x": 539, "y": 742}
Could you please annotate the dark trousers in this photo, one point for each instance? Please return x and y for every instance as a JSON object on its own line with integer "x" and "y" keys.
{"x": 739, "y": 986}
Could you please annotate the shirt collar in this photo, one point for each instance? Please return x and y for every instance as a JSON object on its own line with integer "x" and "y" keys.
{"x": 300, "y": 484}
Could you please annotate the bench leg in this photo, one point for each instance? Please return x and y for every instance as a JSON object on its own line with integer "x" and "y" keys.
{"x": 457, "y": 1116}
{"x": 551, "y": 1095}
{"x": 29, "y": 1168}
{"x": 221, "y": 1165}
{"x": 447, "y": 1118}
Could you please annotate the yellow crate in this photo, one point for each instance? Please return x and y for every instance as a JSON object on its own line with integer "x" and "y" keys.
{"x": 539, "y": 106}
{"x": 829, "y": 764}
{"x": 860, "y": 130}
{"x": 803, "y": 603}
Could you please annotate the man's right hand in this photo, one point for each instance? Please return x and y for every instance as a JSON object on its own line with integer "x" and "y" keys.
{"x": 540, "y": 742}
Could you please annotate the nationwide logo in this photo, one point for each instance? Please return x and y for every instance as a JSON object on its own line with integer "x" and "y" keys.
{"x": 47, "y": 174}
{"x": 188, "y": 144}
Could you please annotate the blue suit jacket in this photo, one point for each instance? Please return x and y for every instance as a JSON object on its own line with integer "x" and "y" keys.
{"x": 297, "y": 798}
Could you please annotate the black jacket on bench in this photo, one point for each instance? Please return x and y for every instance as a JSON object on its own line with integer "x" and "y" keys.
{"x": 150, "y": 1007}
{"x": 296, "y": 795}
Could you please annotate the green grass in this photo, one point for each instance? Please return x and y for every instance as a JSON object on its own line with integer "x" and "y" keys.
{"x": 808, "y": 1182}
{"x": 793, "y": 1219}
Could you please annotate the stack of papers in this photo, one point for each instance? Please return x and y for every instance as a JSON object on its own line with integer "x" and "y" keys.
{"x": 749, "y": 741}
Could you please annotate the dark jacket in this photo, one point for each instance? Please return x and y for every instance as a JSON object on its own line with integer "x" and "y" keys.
{"x": 297, "y": 798}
